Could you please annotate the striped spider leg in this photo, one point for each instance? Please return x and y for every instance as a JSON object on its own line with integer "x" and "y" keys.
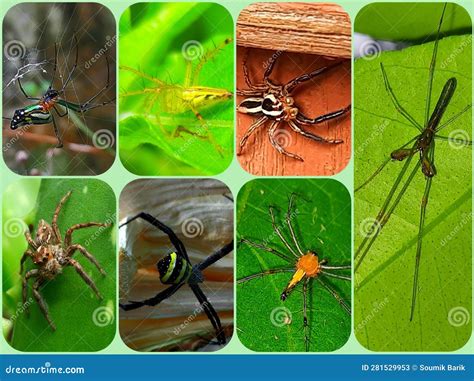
{"x": 424, "y": 144}
{"x": 175, "y": 98}
{"x": 275, "y": 103}
{"x": 176, "y": 270}
{"x": 41, "y": 112}
{"x": 305, "y": 266}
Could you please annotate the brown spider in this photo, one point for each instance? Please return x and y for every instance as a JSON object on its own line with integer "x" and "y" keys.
{"x": 270, "y": 101}
{"x": 51, "y": 255}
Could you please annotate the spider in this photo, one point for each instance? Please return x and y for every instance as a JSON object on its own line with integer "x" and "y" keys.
{"x": 306, "y": 266}
{"x": 40, "y": 113}
{"x": 176, "y": 270}
{"x": 51, "y": 255}
{"x": 269, "y": 101}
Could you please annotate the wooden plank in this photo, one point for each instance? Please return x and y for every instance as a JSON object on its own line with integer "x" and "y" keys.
{"x": 315, "y": 28}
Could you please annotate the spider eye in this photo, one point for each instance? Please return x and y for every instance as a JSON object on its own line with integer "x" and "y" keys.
{"x": 289, "y": 101}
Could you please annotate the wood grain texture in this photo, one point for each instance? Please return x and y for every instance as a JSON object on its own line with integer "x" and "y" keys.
{"x": 316, "y": 28}
{"x": 323, "y": 94}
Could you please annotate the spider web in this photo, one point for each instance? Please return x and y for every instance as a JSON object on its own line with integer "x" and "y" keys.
{"x": 30, "y": 33}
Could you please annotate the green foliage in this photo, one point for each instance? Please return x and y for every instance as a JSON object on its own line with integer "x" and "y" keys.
{"x": 153, "y": 40}
{"x": 322, "y": 223}
{"x": 81, "y": 319}
{"x": 385, "y": 279}
{"x": 410, "y": 21}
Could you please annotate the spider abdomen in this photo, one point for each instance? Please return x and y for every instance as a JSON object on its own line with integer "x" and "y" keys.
{"x": 174, "y": 269}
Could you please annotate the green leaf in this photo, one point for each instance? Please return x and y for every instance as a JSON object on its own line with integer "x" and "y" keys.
{"x": 322, "y": 223}
{"x": 410, "y": 21}
{"x": 84, "y": 323}
{"x": 385, "y": 278}
{"x": 161, "y": 33}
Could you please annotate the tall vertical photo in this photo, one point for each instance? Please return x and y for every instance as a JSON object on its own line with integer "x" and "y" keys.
{"x": 59, "y": 89}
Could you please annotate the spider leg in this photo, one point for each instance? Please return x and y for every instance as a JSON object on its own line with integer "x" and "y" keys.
{"x": 269, "y": 69}
{"x": 54, "y": 66}
{"x": 453, "y": 118}
{"x": 210, "y": 135}
{"x": 85, "y": 277}
{"x": 294, "y": 126}
{"x": 266, "y": 272}
{"x": 424, "y": 203}
{"x": 323, "y": 118}
{"x": 250, "y": 131}
{"x": 42, "y": 304}
{"x": 206, "y": 57}
{"x": 290, "y": 86}
{"x": 343, "y": 277}
{"x": 70, "y": 252}
{"x": 30, "y": 240}
{"x": 267, "y": 248}
{"x": 210, "y": 312}
{"x": 28, "y": 275}
{"x": 69, "y": 77}
{"x": 68, "y": 237}
{"x": 345, "y": 267}
{"x": 335, "y": 294}
{"x": 179, "y": 246}
{"x": 278, "y": 232}
{"x": 54, "y": 224}
{"x": 396, "y": 103}
{"x": 24, "y": 92}
{"x": 278, "y": 147}
{"x": 56, "y": 132}
{"x": 305, "y": 315}
{"x": 59, "y": 113}
{"x": 27, "y": 254}
{"x": 382, "y": 166}
{"x": 290, "y": 227}
{"x": 213, "y": 258}
{"x": 158, "y": 298}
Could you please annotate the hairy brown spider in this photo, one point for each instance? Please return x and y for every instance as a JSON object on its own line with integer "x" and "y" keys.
{"x": 51, "y": 255}
{"x": 269, "y": 101}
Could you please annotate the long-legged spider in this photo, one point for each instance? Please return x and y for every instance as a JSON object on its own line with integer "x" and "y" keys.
{"x": 176, "y": 270}
{"x": 174, "y": 98}
{"x": 51, "y": 255}
{"x": 422, "y": 144}
{"x": 41, "y": 112}
{"x": 274, "y": 102}
{"x": 306, "y": 266}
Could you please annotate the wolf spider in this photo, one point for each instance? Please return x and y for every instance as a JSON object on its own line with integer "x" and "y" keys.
{"x": 275, "y": 102}
{"x": 51, "y": 254}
